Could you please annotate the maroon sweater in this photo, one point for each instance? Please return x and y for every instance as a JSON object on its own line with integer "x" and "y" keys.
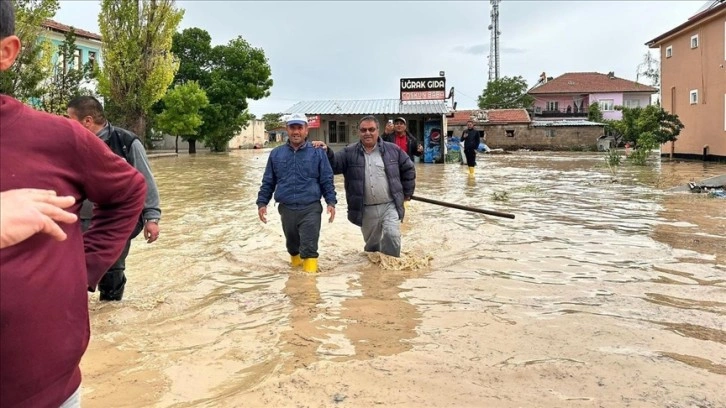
{"x": 44, "y": 328}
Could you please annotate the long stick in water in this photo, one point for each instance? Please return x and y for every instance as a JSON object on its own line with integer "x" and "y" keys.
{"x": 463, "y": 207}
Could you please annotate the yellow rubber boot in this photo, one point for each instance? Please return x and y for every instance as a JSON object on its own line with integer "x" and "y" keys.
{"x": 295, "y": 260}
{"x": 310, "y": 265}
{"x": 471, "y": 171}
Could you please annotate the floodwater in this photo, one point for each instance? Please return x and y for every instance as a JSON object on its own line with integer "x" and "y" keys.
{"x": 604, "y": 291}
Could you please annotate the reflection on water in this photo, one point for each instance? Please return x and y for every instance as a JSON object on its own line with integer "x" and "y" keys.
{"x": 599, "y": 271}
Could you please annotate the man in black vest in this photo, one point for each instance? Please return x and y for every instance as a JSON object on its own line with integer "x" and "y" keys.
{"x": 89, "y": 112}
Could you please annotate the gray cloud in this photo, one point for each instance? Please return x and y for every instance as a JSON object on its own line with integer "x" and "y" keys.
{"x": 353, "y": 50}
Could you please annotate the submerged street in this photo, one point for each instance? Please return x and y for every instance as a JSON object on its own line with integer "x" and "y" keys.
{"x": 605, "y": 290}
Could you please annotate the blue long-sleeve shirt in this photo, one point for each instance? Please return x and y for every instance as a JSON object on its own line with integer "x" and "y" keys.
{"x": 297, "y": 178}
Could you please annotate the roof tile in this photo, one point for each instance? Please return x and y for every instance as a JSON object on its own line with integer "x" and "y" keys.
{"x": 589, "y": 82}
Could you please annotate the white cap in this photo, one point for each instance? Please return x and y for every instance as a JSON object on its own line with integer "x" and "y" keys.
{"x": 297, "y": 119}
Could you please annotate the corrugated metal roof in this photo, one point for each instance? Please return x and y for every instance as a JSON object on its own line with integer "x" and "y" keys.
{"x": 541, "y": 123}
{"x": 369, "y": 107}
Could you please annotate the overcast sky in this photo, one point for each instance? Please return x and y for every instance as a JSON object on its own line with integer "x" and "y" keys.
{"x": 360, "y": 50}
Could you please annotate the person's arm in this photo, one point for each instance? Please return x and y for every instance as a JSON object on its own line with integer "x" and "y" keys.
{"x": 407, "y": 172}
{"x": 326, "y": 181}
{"x": 152, "y": 202}
{"x": 269, "y": 181}
{"x": 326, "y": 185}
{"x": 118, "y": 190}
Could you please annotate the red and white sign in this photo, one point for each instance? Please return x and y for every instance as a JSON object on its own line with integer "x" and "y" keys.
{"x": 422, "y": 95}
{"x": 313, "y": 122}
{"x": 419, "y": 89}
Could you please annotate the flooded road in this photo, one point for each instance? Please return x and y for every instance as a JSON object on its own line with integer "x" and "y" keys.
{"x": 605, "y": 291}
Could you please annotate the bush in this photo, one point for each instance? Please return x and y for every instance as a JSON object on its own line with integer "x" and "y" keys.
{"x": 613, "y": 158}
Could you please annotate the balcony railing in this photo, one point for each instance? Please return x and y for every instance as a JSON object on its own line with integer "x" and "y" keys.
{"x": 561, "y": 113}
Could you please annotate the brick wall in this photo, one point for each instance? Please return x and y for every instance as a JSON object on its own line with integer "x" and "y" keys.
{"x": 538, "y": 138}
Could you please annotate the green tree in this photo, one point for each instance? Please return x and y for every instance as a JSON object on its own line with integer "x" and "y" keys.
{"x": 33, "y": 64}
{"x": 138, "y": 64}
{"x": 594, "y": 114}
{"x": 646, "y": 128}
{"x": 230, "y": 74}
{"x": 272, "y": 120}
{"x": 182, "y": 113}
{"x": 506, "y": 93}
{"x": 65, "y": 83}
{"x": 193, "y": 47}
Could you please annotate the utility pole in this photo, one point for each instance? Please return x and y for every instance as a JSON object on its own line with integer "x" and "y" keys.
{"x": 494, "y": 42}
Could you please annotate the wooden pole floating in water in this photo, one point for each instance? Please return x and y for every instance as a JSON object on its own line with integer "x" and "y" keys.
{"x": 463, "y": 207}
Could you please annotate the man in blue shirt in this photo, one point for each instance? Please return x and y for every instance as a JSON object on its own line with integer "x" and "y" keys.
{"x": 299, "y": 175}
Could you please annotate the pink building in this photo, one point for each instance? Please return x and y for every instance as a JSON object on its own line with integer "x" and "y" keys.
{"x": 570, "y": 95}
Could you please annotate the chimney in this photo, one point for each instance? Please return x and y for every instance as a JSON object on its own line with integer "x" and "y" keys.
{"x": 611, "y": 74}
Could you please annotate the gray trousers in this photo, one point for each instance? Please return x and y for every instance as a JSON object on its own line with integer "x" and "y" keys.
{"x": 382, "y": 229}
{"x": 302, "y": 229}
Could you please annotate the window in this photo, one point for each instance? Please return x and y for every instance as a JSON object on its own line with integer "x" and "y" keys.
{"x": 92, "y": 59}
{"x": 669, "y": 51}
{"x": 337, "y": 132}
{"x": 552, "y": 105}
{"x": 332, "y": 132}
{"x": 342, "y": 132}
{"x": 550, "y": 132}
{"x": 631, "y": 103}
{"x": 77, "y": 59}
{"x": 510, "y": 132}
{"x": 606, "y": 104}
{"x": 694, "y": 96}
{"x": 694, "y": 41}
{"x": 61, "y": 64}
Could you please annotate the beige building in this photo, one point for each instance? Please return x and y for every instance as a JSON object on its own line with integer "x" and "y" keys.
{"x": 693, "y": 82}
{"x": 253, "y": 135}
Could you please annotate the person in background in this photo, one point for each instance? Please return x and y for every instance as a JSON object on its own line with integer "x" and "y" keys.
{"x": 43, "y": 281}
{"x": 402, "y": 138}
{"x": 88, "y": 111}
{"x": 379, "y": 179}
{"x": 471, "y": 138}
{"x": 298, "y": 175}
{"x": 388, "y": 130}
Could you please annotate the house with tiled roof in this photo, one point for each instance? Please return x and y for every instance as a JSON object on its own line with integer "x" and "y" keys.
{"x": 512, "y": 129}
{"x": 693, "y": 82}
{"x": 570, "y": 95}
{"x": 88, "y": 44}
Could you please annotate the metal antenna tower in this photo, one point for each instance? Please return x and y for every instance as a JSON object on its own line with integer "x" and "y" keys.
{"x": 494, "y": 42}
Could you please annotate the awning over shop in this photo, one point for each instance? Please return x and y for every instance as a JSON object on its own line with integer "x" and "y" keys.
{"x": 370, "y": 107}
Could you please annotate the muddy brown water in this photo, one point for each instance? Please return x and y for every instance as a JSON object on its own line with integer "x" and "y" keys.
{"x": 605, "y": 291}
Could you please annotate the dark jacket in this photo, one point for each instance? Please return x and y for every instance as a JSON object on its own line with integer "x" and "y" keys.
{"x": 297, "y": 177}
{"x": 472, "y": 139}
{"x": 412, "y": 143}
{"x": 351, "y": 163}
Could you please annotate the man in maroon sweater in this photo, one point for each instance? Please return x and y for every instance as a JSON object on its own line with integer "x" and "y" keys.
{"x": 44, "y": 326}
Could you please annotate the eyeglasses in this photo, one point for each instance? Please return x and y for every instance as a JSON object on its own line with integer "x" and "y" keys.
{"x": 370, "y": 130}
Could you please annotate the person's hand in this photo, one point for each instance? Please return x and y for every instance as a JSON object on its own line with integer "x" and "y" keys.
{"x": 151, "y": 231}
{"x": 26, "y": 212}
{"x": 262, "y": 213}
{"x": 331, "y": 211}
{"x": 319, "y": 144}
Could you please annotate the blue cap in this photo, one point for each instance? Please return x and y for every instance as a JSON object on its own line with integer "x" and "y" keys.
{"x": 297, "y": 119}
